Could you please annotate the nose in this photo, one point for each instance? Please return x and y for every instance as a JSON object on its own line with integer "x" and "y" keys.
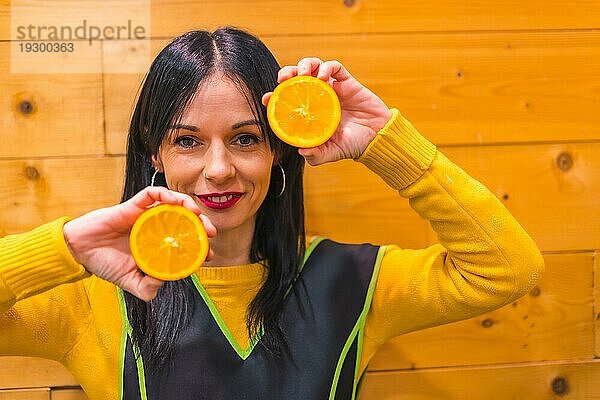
{"x": 218, "y": 166}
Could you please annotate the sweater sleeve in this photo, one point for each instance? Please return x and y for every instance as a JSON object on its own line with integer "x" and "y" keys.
{"x": 40, "y": 315}
{"x": 484, "y": 258}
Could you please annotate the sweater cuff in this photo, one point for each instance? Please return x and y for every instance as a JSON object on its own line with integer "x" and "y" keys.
{"x": 399, "y": 153}
{"x": 38, "y": 260}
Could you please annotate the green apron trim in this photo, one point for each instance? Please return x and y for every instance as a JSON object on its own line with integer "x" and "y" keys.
{"x": 314, "y": 242}
{"x": 340, "y": 363}
{"x": 357, "y": 330}
{"x": 223, "y": 326}
{"x": 136, "y": 351}
{"x": 124, "y": 323}
{"x": 357, "y": 376}
{"x": 242, "y": 353}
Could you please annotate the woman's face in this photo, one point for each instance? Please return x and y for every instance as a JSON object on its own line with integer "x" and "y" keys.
{"x": 218, "y": 155}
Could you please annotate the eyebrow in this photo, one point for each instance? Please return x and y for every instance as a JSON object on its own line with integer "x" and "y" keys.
{"x": 185, "y": 127}
{"x": 237, "y": 125}
{"x": 245, "y": 123}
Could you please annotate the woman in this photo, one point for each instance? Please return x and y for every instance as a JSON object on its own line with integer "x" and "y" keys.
{"x": 267, "y": 316}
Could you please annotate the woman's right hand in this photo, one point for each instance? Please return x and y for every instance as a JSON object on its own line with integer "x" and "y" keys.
{"x": 99, "y": 240}
{"x": 363, "y": 112}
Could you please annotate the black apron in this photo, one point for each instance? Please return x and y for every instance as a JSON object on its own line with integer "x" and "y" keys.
{"x": 324, "y": 340}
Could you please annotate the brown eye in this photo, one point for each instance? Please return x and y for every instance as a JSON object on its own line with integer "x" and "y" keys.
{"x": 186, "y": 142}
{"x": 247, "y": 140}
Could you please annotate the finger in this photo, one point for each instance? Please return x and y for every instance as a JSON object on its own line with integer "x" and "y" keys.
{"x": 143, "y": 287}
{"x": 153, "y": 195}
{"x": 211, "y": 231}
{"x": 210, "y": 255}
{"x": 287, "y": 72}
{"x": 266, "y": 97}
{"x": 333, "y": 69}
{"x": 148, "y": 287}
{"x": 150, "y": 195}
{"x": 309, "y": 66}
{"x": 187, "y": 202}
{"x": 313, "y": 155}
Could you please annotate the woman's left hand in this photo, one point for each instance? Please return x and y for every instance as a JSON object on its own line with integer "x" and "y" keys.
{"x": 363, "y": 113}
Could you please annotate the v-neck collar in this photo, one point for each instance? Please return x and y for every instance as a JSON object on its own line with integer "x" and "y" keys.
{"x": 243, "y": 353}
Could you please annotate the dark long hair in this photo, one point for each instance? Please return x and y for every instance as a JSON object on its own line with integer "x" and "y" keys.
{"x": 279, "y": 238}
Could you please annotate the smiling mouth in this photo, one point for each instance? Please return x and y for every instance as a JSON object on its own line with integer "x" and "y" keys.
{"x": 220, "y": 200}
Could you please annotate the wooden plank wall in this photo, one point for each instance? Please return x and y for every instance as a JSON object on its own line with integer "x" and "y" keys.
{"x": 510, "y": 90}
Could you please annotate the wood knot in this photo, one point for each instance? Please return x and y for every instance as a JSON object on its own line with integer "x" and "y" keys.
{"x": 459, "y": 74}
{"x": 487, "y": 323}
{"x": 32, "y": 173}
{"x": 535, "y": 292}
{"x": 564, "y": 161}
{"x": 349, "y": 3}
{"x": 560, "y": 386}
{"x": 26, "y": 107}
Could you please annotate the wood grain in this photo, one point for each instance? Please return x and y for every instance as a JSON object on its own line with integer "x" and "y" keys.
{"x": 171, "y": 17}
{"x": 37, "y": 191}
{"x": 572, "y": 380}
{"x": 476, "y": 88}
{"x": 68, "y": 394}
{"x": 596, "y": 305}
{"x": 63, "y": 112}
{"x": 369, "y": 16}
{"x": 550, "y": 189}
{"x": 457, "y": 88}
{"x": 556, "y": 206}
{"x": 25, "y": 394}
{"x": 30, "y": 372}
{"x": 120, "y": 93}
{"x": 72, "y": 13}
{"x": 553, "y": 322}
{"x": 346, "y": 202}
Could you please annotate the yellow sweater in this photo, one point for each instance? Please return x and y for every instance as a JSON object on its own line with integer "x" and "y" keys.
{"x": 484, "y": 261}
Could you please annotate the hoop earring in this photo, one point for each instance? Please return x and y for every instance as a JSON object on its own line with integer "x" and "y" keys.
{"x": 282, "y": 177}
{"x": 153, "y": 177}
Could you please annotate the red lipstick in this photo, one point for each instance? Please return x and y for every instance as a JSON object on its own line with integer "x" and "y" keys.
{"x": 220, "y": 201}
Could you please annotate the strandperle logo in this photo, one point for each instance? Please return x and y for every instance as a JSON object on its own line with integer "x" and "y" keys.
{"x": 84, "y": 31}
{"x": 79, "y": 36}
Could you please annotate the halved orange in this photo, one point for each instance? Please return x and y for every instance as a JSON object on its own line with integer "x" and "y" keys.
{"x": 168, "y": 242}
{"x": 304, "y": 111}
